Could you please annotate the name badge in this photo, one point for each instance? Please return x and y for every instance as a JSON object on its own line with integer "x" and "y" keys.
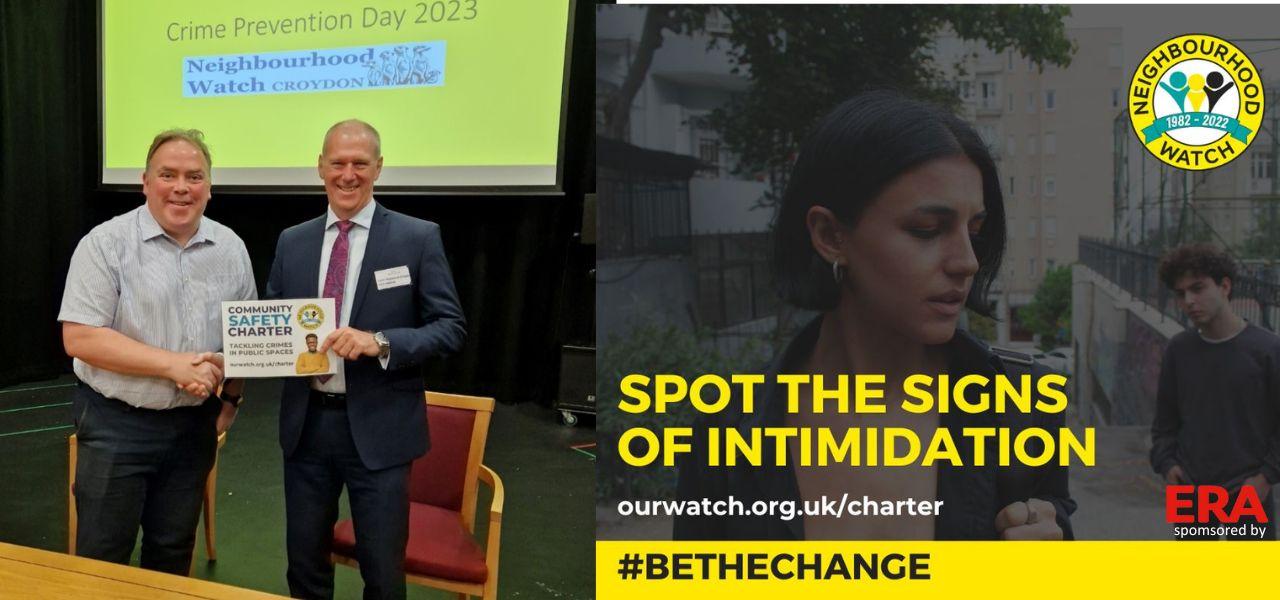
{"x": 391, "y": 278}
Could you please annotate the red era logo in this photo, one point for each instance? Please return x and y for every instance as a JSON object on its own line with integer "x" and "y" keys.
{"x": 1210, "y": 500}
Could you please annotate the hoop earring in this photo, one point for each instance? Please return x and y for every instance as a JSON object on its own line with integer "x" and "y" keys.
{"x": 836, "y": 272}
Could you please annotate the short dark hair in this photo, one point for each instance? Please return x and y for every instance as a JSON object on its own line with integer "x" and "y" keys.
{"x": 1197, "y": 260}
{"x": 312, "y": 336}
{"x": 853, "y": 154}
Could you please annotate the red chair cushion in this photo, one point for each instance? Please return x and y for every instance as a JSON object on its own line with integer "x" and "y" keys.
{"x": 439, "y": 546}
{"x": 438, "y": 477}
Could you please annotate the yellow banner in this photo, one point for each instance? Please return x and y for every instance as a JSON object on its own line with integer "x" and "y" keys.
{"x": 1079, "y": 570}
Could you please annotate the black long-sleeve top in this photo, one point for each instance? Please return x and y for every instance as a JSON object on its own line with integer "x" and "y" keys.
{"x": 1218, "y": 408}
{"x": 973, "y": 495}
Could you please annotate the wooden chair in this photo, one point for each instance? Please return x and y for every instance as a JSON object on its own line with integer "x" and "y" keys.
{"x": 210, "y": 497}
{"x": 443, "y": 552}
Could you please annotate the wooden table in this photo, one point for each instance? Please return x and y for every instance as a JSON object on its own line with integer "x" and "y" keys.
{"x": 31, "y": 573}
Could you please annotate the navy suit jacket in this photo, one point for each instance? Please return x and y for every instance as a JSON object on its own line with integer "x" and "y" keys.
{"x": 421, "y": 320}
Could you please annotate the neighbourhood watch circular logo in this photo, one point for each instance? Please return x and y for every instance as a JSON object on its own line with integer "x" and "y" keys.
{"x": 1196, "y": 102}
{"x": 310, "y": 316}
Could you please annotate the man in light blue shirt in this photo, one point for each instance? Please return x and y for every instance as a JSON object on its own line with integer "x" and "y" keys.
{"x": 141, "y": 317}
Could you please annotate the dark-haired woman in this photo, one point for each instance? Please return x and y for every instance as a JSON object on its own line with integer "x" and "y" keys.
{"x": 891, "y": 225}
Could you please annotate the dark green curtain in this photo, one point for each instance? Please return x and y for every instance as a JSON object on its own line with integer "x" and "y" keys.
{"x": 522, "y": 275}
{"x": 47, "y": 121}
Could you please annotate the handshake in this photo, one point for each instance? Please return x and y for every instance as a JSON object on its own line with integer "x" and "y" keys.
{"x": 201, "y": 374}
{"x": 197, "y": 374}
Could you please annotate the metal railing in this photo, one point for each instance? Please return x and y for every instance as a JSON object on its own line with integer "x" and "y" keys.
{"x": 1254, "y": 296}
{"x": 734, "y": 278}
{"x": 639, "y": 215}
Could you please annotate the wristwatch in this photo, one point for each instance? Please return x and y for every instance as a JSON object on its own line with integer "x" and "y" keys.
{"x": 384, "y": 345}
{"x": 233, "y": 400}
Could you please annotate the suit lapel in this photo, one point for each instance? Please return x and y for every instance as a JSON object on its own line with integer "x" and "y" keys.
{"x": 310, "y": 265}
{"x": 374, "y": 246}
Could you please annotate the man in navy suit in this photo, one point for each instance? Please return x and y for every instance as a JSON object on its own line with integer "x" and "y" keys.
{"x": 362, "y": 427}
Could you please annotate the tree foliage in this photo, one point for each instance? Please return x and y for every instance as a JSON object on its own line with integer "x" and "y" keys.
{"x": 1049, "y": 313}
{"x": 1264, "y": 243}
{"x": 982, "y": 327}
{"x": 658, "y": 21}
{"x": 651, "y": 349}
{"x": 801, "y": 61}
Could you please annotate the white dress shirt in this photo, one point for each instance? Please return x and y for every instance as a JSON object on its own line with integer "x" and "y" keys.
{"x": 357, "y": 240}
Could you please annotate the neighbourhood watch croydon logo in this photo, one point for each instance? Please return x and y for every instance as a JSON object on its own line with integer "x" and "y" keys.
{"x": 1196, "y": 102}
{"x": 417, "y": 64}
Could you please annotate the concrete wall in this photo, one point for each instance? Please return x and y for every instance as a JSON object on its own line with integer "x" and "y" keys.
{"x": 727, "y": 205}
{"x": 1118, "y": 344}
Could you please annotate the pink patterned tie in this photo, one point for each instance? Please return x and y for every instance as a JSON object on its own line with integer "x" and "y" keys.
{"x": 335, "y": 279}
